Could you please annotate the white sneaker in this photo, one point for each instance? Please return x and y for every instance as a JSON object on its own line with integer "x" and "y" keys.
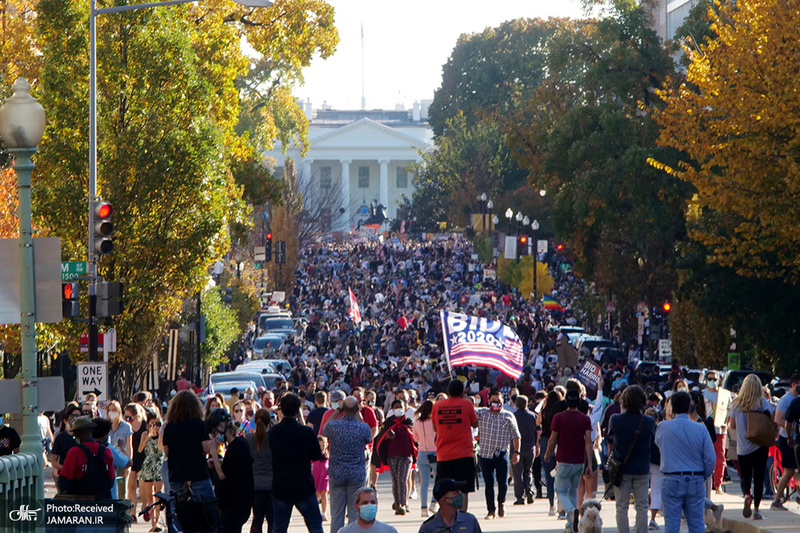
{"x": 433, "y": 507}
{"x": 718, "y": 512}
{"x": 413, "y": 494}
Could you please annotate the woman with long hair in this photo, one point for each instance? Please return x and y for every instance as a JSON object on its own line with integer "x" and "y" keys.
{"x": 544, "y": 419}
{"x": 425, "y": 437}
{"x": 262, "y": 472}
{"x": 135, "y": 417}
{"x": 185, "y": 442}
{"x": 150, "y": 472}
{"x": 121, "y": 436}
{"x": 752, "y": 456}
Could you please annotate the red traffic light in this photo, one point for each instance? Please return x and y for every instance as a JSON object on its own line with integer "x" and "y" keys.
{"x": 269, "y": 235}
{"x": 666, "y": 307}
{"x": 559, "y": 247}
{"x": 523, "y": 240}
{"x": 103, "y": 209}
{"x": 66, "y": 291}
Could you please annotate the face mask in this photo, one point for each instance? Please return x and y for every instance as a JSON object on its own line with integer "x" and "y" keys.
{"x": 368, "y": 511}
{"x": 712, "y": 383}
{"x": 305, "y": 413}
{"x": 681, "y": 389}
{"x": 249, "y": 414}
{"x": 457, "y": 501}
{"x": 128, "y": 419}
{"x": 398, "y": 413}
{"x": 371, "y": 403}
{"x": 112, "y": 415}
{"x": 496, "y": 406}
{"x": 335, "y": 405}
{"x": 220, "y": 438}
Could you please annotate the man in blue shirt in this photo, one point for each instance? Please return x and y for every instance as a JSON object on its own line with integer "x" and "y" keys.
{"x": 347, "y": 468}
{"x": 687, "y": 459}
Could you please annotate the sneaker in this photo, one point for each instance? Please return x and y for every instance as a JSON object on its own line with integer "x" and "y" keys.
{"x": 501, "y": 512}
{"x": 653, "y": 526}
{"x": 718, "y": 512}
{"x": 490, "y": 515}
{"x": 400, "y": 511}
{"x": 519, "y": 502}
{"x": 551, "y": 512}
{"x": 778, "y": 506}
{"x": 413, "y": 494}
{"x": 424, "y": 512}
{"x": 530, "y": 497}
{"x": 748, "y": 501}
{"x": 562, "y": 515}
{"x": 325, "y": 518}
{"x": 433, "y": 507}
{"x": 757, "y": 516}
{"x": 576, "y": 516}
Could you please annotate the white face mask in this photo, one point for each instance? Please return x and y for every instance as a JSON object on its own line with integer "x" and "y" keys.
{"x": 681, "y": 389}
{"x": 335, "y": 405}
{"x": 398, "y": 413}
{"x": 113, "y": 415}
{"x": 712, "y": 383}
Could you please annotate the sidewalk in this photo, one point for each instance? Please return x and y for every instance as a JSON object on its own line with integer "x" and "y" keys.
{"x": 733, "y": 520}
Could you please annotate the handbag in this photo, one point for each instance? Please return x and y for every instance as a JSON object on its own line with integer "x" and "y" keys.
{"x": 761, "y": 429}
{"x": 432, "y": 458}
{"x": 614, "y": 466}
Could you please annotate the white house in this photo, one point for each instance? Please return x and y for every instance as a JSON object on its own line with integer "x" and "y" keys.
{"x": 363, "y": 156}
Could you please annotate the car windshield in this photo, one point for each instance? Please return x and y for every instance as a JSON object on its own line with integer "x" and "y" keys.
{"x": 240, "y": 378}
{"x": 276, "y": 323}
{"x": 260, "y": 343}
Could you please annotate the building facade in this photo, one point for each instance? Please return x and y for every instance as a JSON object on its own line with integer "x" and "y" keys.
{"x": 360, "y": 158}
{"x": 668, "y": 15}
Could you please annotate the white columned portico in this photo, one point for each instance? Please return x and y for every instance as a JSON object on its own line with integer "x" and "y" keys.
{"x": 384, "y": 184}
{"x": 307, "y": 169}
{"x": 346, "y": 193}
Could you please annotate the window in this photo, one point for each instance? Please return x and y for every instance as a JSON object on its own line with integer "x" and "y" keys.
{"x": 325, "y": 177}
{"x": 363, "y": 177}
{"x": 402, "y": 178}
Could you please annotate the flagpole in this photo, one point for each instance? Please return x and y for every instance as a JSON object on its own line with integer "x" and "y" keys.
{"x": 446, "y": 345}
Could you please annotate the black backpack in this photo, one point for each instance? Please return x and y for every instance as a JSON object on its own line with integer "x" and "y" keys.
{"x": 94, "y": 481}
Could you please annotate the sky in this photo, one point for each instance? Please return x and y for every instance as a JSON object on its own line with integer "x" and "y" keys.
{"x": 405, "y": 45}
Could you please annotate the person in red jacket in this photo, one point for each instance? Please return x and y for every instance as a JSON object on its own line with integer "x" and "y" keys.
{"x": 81, "y": 470}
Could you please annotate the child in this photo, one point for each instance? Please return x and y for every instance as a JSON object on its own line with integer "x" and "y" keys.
{"x": 319, "y": 470}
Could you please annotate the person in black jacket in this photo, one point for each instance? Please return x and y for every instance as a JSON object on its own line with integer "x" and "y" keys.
{"x": 294, "y": 446}
{"x": 235, "y": 488}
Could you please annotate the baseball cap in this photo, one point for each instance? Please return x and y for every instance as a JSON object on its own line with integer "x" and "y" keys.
{"x": 572, "y": 398}
{"x": 443, "y": 486}
{"x": 83, "y": 422}
{"x": 337, "y": 396}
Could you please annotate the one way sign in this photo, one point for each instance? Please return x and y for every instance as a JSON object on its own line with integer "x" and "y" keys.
{"x": 93, "y": 378}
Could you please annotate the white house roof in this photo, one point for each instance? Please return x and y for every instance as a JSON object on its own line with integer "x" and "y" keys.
{"x": 364, "y": 133}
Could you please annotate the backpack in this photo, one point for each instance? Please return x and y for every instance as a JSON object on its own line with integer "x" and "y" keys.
{"x": 94, "y": 481}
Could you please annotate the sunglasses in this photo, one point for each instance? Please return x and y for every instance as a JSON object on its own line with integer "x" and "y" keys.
{"x": 237, "y": 410}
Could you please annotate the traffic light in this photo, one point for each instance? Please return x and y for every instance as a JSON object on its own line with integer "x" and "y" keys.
{"x": 667, "y": 307}
{"x": 109, "y": 298}
{"x": 69, "y": 299}
{"x": 559, "y": 247}
{"x": 268, "y": 247}
{"x": 522, "y": 245}
{"x": 103, "y": 228}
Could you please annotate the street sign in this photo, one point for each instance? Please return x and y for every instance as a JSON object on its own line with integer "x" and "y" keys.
{"x": 665, "y": 348}
{"x": 72, "y": 270}
{"x": 734, "y": 361}
{"x": 511, "y": 247}
{"x": 84, "y": 340}
{"x": 93, "y": 377}
{"x": 280, "y": 252}
{"x": 260, "y": 254}
{"x": 47, "y": 276}
{"x": 541, "y": 247}
{"x": 110, "y": 340}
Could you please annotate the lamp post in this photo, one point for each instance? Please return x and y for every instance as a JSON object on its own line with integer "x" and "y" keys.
{"x": 489, "y": 206}
{"x": 535, "y": 254}
{"x": 22, "y": 126}
{"x": 509, "y": 216}
{"x": 495, "y": 221}
{"x": 519, "y": 222}
{"x": 91, "y": 258}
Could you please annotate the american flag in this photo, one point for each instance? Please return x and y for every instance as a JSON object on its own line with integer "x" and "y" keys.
{"x": 355, "y": 312}
{"x": 471, "y": 340}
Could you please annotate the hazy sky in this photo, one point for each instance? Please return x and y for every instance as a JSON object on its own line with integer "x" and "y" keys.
{"x": 405, "y": 45}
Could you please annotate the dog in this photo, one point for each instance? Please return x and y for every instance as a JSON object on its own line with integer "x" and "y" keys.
{"x": 590, "y": 521}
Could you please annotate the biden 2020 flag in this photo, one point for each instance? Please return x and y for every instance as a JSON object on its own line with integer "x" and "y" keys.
{"x": 470, "y": 340}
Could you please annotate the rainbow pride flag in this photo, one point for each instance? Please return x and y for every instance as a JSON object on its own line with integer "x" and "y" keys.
{"x": 551, "y": 304}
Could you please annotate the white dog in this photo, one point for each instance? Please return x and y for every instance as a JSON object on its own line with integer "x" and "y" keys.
{"x": 590, "y": 521}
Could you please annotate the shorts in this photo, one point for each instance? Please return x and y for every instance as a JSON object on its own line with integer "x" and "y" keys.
{"x": 788, "y": 459}
{"x": 461, "y": 469}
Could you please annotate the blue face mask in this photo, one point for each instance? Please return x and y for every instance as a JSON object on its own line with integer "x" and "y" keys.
{"x": 368, "y": 511}
{"x": 220, "y": 438}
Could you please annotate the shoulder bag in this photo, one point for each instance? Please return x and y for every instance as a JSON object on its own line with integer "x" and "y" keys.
{"x": 614, "y": 466}
{"x": 761, "y": 429}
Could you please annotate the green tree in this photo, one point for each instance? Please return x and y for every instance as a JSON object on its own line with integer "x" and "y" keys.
{"x": 222, "y": 328}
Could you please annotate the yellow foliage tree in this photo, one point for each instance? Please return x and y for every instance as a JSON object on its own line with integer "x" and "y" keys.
{"x": 737, "y": 117}
{"x": 520, "y": 275}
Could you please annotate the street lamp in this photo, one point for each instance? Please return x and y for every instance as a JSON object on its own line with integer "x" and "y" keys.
{"x": 22, "y": 124}
{"x": 489, "y": 206}
{"x": 519, "y": 220}
{"x": 509, "y": 216}
{"x": 90, "y": 258}
{"x": 535, "y": 228}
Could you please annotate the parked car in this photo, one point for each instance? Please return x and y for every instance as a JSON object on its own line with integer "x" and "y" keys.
{"x": 266, "y": 366}
{"x": 224, "y": 388}
{"x": 733, "y": 379}
{"x": 267, "y": 344}
{"x": 585, "y": 344}
{"x": 276, "y": 323}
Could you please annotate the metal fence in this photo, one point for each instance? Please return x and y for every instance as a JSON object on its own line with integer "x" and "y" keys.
{"x": 19, "y": 478}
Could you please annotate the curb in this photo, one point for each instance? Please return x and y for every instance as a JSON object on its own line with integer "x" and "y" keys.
{"x": 729, "y": 525}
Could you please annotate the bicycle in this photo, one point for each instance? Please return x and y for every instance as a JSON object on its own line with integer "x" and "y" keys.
{"x": 180, "y": 508}
{"x": 164, "y": 502}
{"x": 775, "y": 473}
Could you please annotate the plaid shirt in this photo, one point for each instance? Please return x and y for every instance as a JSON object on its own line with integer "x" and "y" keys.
{"x": 495, "y": 431}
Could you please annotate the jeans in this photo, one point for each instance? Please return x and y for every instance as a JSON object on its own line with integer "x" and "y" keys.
{"x": 752, "y": 468}
{"x": 165, "y": 477}
{"x": 489, "y": 466}
{"x": 308, "y": 507}
{"x": 262, "y": 509}
{"x": 343, "y": 497}
{"x": 522, "y": 474}
{"x": 567, "y": 478}
{"x": 683, "y": 494}
{"x": 426, "y": 470}
{"x": 548, "y": 467}
{"x": 639, "y": 485}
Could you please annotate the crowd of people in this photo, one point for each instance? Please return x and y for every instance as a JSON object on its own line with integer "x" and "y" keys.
{"x": 379, "y": 395}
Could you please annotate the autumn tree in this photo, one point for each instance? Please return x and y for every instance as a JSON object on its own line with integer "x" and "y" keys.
{"x": 736, "y": 118}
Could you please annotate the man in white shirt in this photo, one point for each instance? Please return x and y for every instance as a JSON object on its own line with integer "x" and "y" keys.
{"x": 711, "y": 394}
